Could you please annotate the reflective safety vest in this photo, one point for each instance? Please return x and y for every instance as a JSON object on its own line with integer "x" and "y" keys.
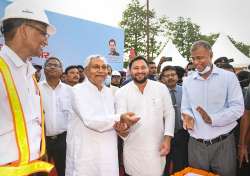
{"x": 23, "y": 166}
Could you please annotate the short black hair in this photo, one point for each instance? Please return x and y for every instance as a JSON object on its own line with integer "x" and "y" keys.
{"x": 80, "y": 67}
{"x": 136, "y": 59}
{"x": 112, "y": 40}
{"x": 151, "y": 62}
{"x": 53, "y": 58}
{"x": 69, "y": 68}
{"x": 167, "y": 68}
{"x": 10, "y": 26}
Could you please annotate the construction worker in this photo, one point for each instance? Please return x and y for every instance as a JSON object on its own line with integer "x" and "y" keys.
{"x": 25, "y": 28}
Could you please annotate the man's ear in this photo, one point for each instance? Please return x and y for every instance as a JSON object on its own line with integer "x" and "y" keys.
{"x": 211, "y": 54}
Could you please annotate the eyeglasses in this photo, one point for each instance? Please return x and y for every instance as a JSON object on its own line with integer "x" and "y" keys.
{"x": 53, "y": 65}
{"x": 99, "y": 67}
{"x": 191, "y": 69}
{"x": 41, "y": 31}
{"x": 169, "y": 75}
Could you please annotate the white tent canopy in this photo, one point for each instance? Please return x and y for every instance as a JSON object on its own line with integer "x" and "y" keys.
{"x": 224, "y": 47}
{"x": 171, "y": 51}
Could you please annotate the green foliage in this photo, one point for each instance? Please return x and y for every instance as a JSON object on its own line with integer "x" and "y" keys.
{"x": 182, "y": 32}
{"x": 244, "y": 48}
{"x": 134, "y": 24}
{"x": 211, "y": 38}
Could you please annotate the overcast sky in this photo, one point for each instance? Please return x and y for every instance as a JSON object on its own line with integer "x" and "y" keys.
{"x": 231, "y": 17}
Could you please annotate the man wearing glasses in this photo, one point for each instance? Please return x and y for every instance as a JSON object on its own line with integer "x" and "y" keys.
{"x": 25, "y": 28}
{"x": 57, "y": 108}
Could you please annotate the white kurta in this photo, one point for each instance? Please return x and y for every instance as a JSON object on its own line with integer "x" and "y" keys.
{"x": 91, "y": 139}
{"x": 141, "y": 147}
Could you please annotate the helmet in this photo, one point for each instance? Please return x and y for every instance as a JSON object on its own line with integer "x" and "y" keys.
{"x": 31, "y": 11}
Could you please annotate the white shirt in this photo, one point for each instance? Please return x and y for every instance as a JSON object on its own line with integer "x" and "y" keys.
{"x": 30, "y": 101}
{"x": 113, "y": 89}
{"x": 91, "y": 139}
{"x": 141, "y": 147}
{"x": 57, "y": 107}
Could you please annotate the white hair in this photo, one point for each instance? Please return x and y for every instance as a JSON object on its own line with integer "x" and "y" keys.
{"x": 91, "y": 57}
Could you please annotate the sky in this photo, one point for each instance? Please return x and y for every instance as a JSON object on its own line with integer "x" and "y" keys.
{"x": 231, "y": 17}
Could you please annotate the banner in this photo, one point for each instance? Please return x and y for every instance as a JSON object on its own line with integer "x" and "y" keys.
{"x": 76, "y": 39}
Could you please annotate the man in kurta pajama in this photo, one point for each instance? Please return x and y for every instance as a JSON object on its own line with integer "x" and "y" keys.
{"x": 148, "y": 141}
{"x": 91, "y": 137}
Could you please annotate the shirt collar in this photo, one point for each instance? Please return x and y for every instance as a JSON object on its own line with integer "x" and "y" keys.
{"x": 16, "y": 60}
{"x": 215, "y": 71}
{"x": 60, "y": 84}
{"x": 91, "y": 85}
{"x": 12, "y": 56}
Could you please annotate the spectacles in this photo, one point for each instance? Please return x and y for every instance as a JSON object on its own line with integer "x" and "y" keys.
{"x": 41, "y": 31}
{"x": 169, "y": 75}
{"x": 191, "y": 69}
{"x": 98, "y": 67}
{"x": 53, "y": 65}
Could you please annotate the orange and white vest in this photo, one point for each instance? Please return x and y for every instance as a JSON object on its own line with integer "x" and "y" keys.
{"x": 23, "y": 166}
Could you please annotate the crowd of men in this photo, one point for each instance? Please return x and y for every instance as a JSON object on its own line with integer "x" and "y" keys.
{"x": 96, "y": 121}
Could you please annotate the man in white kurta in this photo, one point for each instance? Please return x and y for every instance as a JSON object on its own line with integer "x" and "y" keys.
{"x": 91, "y": 138}
{"x": 148, "y": 140}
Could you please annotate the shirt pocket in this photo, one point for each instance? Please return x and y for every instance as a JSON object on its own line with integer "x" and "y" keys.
{"x": 156, "y": 104}
{"x": 64, "y": 106}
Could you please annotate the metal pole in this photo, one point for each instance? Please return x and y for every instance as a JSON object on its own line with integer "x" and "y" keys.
{"x": 148, "y": 30}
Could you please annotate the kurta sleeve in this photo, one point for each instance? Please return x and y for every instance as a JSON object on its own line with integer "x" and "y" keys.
{"x": 91, "y": 117}
{"x": 168, "y": 112}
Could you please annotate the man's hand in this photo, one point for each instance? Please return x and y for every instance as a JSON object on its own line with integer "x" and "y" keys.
{"x": 122, "y": 129}
{"x": 204, "y": 115}
{"x": 242, "y": 154}
{"x": 162, "y": 60}
{"x": 129, "y": 118}
{"x": 165, "y": 146}
{"x": 188, "y": 122}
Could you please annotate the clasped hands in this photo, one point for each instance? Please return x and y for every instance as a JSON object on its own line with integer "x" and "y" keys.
{"x": 126, "y": 121}
{"x": 188, "y": 121}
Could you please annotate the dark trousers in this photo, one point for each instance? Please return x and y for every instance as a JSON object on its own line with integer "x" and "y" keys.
{"x": 56, "y": 150}
{"x": 178, "y": 153}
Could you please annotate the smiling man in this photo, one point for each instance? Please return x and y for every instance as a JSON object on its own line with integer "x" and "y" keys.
{"x": 91, "y": 137}
{"x": 212, "y": 102}
{"x": 148, "y": 142}
{"x": 25, "y": 28}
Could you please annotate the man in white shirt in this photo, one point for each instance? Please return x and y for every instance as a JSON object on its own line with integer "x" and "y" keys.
{"x": 91, "y": 137}
{"x": 56, "y": 98}
{"x": 148, "y": 141}
{"x": 25, "y": 28}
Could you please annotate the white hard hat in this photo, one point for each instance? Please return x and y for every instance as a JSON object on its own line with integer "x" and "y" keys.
{"x": 31, "y": 11}
{"x": 116, "y": 73}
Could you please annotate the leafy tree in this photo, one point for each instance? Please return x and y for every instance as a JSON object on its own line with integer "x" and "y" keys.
{"x": 134, "y": 24}
{"x": 211, "y": 38}
{"x": 183, "y": 34}
{"x": 244, "y": 48}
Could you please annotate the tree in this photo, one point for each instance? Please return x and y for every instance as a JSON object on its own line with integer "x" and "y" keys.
{"x": 211, "y": 38}
{"x": 244, "y": 48}
{"x": 183, "y": 34}
{"x": 134, "y": 24}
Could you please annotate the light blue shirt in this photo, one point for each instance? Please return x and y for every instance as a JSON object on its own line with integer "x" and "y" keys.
{"x": 219, "y": 95}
